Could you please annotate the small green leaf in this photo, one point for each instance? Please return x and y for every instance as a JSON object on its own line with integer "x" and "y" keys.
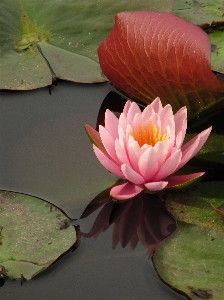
{"x": 191, "y": 259}
{"x": 33, "y": 234}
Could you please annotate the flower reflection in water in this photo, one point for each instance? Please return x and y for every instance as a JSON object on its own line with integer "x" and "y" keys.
{"x": 142, "y": 219}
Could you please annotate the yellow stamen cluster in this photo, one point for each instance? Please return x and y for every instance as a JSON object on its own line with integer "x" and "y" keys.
{"x": 150, "y": 135}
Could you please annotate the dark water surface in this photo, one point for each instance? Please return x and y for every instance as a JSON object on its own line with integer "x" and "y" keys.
{"x": 45, "y": 152}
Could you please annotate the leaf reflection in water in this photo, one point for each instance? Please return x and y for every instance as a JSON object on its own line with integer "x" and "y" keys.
{"x": 142, "y": 219}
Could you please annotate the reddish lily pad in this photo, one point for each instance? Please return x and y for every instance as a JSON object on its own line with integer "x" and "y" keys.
{"x": 33, "y": 235}
{"x": 41, "y": 39}
{"x": 150, "y": 54}
{"x": 191, "y": 259}
{"x": 210, "y": 16}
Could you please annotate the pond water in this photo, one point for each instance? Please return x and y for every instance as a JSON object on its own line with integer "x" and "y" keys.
{"x": 45, "y": 152}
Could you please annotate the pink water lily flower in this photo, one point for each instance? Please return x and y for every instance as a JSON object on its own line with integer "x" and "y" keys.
{"x": 145, "y": 148}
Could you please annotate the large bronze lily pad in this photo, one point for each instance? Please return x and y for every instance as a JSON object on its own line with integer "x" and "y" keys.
{"x": 154, "y": 54}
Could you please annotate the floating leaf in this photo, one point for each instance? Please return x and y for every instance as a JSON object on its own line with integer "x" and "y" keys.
{"x": 191, "y": 259}
{"x": 150, "y": 54}
{"x": 33, "y": 235}
{"x": 44, "y": 39}
{"x": 216, "y": 35}
{"x": 200, "y": 11}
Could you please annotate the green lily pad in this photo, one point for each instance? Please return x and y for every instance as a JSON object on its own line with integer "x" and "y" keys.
{"x": 191, "y": 259}
{"x": 33, "y": 234}
{"x": 44, "y": 39}
{"x": 217, "y": 41}
{"x": 200, "y": 11}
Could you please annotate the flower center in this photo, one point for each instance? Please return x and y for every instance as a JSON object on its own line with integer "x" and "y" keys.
{"x": 150, "y": 135}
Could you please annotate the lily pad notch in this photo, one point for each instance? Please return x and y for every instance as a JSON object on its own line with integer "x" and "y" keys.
{"x": 33, "y": 235}
{"x": 41, "y": 40}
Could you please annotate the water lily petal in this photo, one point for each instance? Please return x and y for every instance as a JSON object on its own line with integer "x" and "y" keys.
{"x": 121, "y": 153}
{"x": 108, "y": 142}
{"x": 170, "y": 131}
{"x": 169, "y": 166}
{"x": 157, "y": 105}
{"x": 121, "y": 136}
{"x": 108, "y": 163}
{"x": 193, "y": 146}
{"x": 147, "y": 113}
{"x": 131, "y": 175}
{"x": 126, "y": 107}
{"x": 148, "y": 164}
{"x": 134, "y": 109}
{"x": 134, "y": 153}
{"x": 161, "y": 150}
{"x": 137, "y": 122}
{"x": 166, "y": 116}
{"x": 111, "y": 123}
{"x": 179, "y": 139}
{"x": 180, "y": 119}
{"x": 182, "y": 179}
{"x": 122, "y": 122}
{"x": 126, "y": 190}
{"x": 154, "y": 120}
{"x": 156, "y": 186}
